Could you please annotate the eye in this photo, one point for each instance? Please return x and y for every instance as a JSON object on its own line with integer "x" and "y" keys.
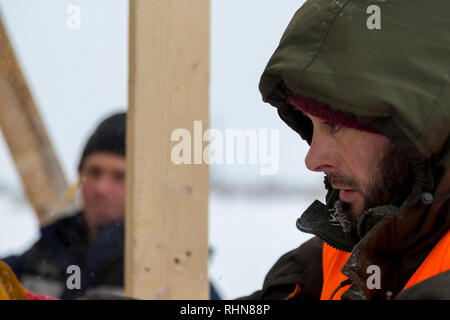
{"x": 93, "y": 172}
{"x": 333, "y": 126}
{"x": 336, "y": 127}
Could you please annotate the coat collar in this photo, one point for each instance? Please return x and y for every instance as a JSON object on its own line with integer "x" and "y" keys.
{"x": 393, "y": 238}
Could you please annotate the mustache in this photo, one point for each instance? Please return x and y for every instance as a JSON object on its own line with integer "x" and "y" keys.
{"x": 341, "y": 181}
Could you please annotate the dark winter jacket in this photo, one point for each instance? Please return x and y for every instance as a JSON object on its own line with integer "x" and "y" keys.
{"x": 43, "y": 268}
{"x": 396, "y": 79}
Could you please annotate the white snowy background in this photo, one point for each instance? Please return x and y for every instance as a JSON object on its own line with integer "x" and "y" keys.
{"x": 78, "y": 77}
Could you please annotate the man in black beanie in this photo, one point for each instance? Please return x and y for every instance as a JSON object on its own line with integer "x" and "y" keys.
{"x": 84, "y": 252}
{"x": 102, "y": 173}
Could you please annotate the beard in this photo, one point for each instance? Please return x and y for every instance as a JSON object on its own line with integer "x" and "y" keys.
{"x": 394, "y": 182}
{"x": 391, "y": 180}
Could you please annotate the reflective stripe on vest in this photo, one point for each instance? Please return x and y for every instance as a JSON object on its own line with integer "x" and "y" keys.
{"x": 437, "y": 261}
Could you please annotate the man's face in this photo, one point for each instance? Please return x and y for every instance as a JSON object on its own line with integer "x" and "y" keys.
{"x": 103, "y": 188}
{"x": 366, "y": 168}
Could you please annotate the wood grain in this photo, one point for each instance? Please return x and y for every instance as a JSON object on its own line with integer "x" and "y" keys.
{"x": 39, "y": 169}
{"x": 167, "y": 204}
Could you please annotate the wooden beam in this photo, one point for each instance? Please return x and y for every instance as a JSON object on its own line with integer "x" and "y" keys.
{"x": 167, "y": 204}
{"x": 26, "y": 137}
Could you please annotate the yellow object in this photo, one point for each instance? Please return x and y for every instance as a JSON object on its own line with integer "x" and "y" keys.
{"x": 10, "y": 287}
{"x": 71, "y": 191}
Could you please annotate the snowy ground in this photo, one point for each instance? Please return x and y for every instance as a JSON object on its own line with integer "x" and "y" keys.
{"x": 19, "y": 227}
{"x": 248, "y": 236}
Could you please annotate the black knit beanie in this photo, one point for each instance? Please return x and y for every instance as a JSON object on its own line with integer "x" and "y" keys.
{"x": 109, "y": 136}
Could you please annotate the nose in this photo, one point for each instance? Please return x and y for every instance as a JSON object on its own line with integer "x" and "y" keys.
{"x": 320, "y": 156}
{"x": 102, "y": 185}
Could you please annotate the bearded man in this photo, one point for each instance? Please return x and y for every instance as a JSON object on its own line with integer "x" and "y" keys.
{"x": 374, "y": 106}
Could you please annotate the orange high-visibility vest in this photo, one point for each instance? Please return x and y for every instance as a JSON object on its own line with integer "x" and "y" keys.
{"x": 437, "y": 261}
{"x": 332, "y": 262}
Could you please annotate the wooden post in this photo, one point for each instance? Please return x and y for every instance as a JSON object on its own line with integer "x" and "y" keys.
{"x": 167, "y": 204}
{"x": 25, "y": 135}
